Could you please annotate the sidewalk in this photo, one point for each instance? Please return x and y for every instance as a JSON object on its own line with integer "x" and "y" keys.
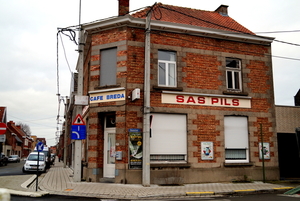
{"x": 59, "y": 181}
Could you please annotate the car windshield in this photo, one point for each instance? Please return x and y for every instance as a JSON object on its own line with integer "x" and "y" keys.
{"x": 35, "y": 157}
{"x": 14, "y": 156}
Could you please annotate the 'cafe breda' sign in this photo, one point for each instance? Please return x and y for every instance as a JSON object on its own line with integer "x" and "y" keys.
{"x": 206, "y": 100}
{"x": 107, "y": 96}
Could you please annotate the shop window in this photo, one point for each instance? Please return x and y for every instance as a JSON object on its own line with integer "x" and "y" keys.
{"x": 108, "y": 67}
{"x": 168, "y": 141}
{"x": 236, "y": 139}
{"x": 167, "y": 68}
{"x": 233, "y": 74}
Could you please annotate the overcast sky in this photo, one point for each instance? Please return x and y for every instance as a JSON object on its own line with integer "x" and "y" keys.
{"x": 28, "y": 49}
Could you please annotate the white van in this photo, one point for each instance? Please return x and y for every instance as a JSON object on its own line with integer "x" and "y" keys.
{"x": 47, "y": 153}
{"x": 32, "y": 160}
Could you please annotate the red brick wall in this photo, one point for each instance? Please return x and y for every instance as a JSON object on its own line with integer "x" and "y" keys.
{"x": 201, "y": 69}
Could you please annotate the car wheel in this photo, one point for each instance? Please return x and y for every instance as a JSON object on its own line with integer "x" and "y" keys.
{"x": 23, "y": 170}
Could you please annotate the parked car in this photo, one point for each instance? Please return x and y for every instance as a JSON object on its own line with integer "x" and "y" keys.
{"x": 32, "y": 162}
{"x": 47, "y": 153}
{"x": 3, "y": 160}
{"x": 14, "y": 158}
{"x": 53, "y": 158}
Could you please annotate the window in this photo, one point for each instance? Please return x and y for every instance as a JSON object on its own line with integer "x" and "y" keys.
{"x": 236, "y": 139}
{"x": 233, "y": 74}
{"x": 168, "y": 141}
{"x": 108, "y": 67}
{"x": 167, "y": 68}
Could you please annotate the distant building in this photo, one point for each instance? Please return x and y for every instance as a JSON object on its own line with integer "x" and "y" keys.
{"x": 287, "y": 121}
{"x": 43, "y": 140}
{"x": 17, "y": 142}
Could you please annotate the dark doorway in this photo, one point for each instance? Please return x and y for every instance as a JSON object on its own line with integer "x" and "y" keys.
{"x": 288, "y": 155}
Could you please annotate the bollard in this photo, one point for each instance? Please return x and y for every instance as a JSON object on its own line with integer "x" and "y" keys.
{"x": 4, "y": 194}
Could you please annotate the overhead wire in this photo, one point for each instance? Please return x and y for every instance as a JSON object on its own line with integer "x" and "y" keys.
{"x": 270, "y": 32}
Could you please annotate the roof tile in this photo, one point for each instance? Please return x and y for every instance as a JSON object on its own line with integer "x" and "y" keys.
{"x": 195, "y": 17}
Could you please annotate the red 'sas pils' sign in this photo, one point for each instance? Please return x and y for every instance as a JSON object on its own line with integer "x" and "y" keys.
{"x": 2, "y": 128}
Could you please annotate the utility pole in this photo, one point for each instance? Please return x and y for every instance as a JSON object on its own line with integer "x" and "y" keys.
{"x": 78, "y": 109}
{"x": 146, "y": 126}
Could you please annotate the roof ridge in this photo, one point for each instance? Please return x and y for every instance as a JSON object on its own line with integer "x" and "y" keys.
{"x": 189, "y": 8}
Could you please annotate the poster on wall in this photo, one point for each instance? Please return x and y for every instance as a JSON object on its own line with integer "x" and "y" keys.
{"x": 266, "y": 150}
{"x": 135, "y": 148}
{"x": 207, "y": 150}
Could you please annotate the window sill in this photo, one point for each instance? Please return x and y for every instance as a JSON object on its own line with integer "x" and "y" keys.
{"x": 238, "y": 93}
{"x": 107, "y": 86}
{"x": 238, "y": 164}
{"x": 168, "y": 88}
{"x": 170, "y": 165}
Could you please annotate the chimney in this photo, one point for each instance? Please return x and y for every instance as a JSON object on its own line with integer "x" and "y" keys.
{"x": 10, "y": 123}
{"x": 123, "y": 7}
{"x": 297, "y": 98}
{"x": 222, "y": 10}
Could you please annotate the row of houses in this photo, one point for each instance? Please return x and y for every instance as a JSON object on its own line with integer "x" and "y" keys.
{"x": 16, "y": 141}
{"x": 175, "y": 95}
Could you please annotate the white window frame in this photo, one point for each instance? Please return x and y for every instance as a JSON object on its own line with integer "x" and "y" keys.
{"x": 168, "y": 140}
{"x": 233, "y": 71}
{"x": 168, "y": 65}
{"x": 236, "y": 137}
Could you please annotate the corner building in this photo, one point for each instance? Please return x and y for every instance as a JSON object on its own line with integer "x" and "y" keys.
{"x": 211, "y": 98}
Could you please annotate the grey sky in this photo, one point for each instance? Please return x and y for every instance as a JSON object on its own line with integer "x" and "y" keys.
{"x": 28, "y": 85}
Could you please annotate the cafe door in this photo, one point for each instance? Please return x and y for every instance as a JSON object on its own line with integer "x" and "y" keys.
{"x": 109, "y": 152}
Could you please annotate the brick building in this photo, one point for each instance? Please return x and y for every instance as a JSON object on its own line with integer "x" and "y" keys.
{"x": 17, "y": 142}
{"x": 210, "y": 98}
{"x": 287, "y": 121}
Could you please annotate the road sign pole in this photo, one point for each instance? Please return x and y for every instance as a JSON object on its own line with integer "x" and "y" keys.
{"x": 37, "y": 172}
{"x": 39, "y": 148}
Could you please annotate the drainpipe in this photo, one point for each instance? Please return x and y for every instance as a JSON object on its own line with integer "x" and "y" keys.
{"x": 146, "y": 126}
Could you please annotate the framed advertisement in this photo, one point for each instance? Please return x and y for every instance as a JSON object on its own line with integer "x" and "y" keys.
{"x": 135, "y": 149}
{"x": 266, "y": 150}
{"x": 207, "y": 150}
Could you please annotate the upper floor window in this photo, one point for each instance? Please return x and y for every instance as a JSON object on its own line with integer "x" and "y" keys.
{"x": 233, "y": 74}
{"x": 167, "y": 68}
{"x": 108, "y": 67}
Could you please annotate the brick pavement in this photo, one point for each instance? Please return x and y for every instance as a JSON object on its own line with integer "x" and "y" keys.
{"x": 59, "y": 181}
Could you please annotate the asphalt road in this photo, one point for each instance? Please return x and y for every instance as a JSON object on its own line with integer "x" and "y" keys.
{"x": 12, "y": 169}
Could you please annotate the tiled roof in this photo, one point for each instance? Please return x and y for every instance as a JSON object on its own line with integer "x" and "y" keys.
{"x": 182, "y": 15}
{"x": 14, "y": 129}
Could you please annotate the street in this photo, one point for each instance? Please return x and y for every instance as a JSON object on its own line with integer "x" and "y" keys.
{"x": 257, "y": 197}
{"x": 12, "y": 169}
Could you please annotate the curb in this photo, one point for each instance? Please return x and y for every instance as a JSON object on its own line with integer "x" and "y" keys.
{"x": 25, "y": 185}
{"x": 28, "y": 182}
{"x": 244, "y": 191}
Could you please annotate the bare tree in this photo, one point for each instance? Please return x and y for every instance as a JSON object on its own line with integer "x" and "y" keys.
{"x": 25, "y": 128}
